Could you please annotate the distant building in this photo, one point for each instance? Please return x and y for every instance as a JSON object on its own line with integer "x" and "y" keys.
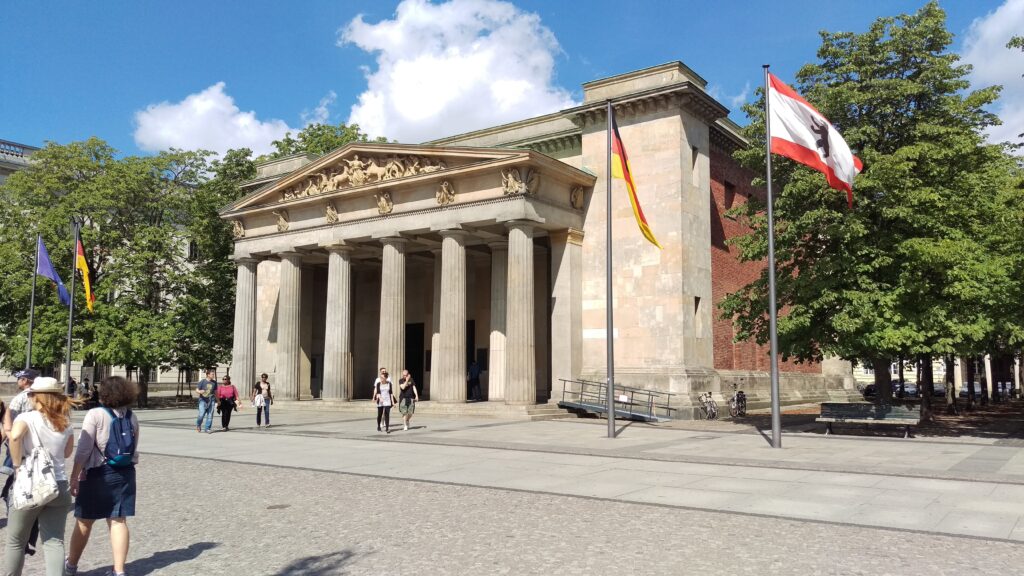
{"x": 13, "y": 157}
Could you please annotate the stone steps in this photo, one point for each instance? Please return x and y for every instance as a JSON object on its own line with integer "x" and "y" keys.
{"x": 467, "y": 409}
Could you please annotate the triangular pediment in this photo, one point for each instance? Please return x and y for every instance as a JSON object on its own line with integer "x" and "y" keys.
{"x": 357, "y": 165}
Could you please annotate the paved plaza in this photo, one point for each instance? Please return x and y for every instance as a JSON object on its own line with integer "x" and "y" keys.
{"x": 324, "y": 493}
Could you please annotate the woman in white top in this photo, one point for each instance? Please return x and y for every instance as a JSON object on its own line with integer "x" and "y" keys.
{"x": 50, "y": 422}
{"x": 384, "y": 396}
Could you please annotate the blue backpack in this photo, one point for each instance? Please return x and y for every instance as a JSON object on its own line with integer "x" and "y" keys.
{"x": 121, "y": 444}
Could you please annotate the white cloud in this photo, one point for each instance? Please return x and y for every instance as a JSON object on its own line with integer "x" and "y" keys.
{"x": 209, "y": 120}
{"x": 322, "y": 113}
{"x": 462, "y": 65}
{"x": 732, "y": 101}
{"x": 985, "y": 49}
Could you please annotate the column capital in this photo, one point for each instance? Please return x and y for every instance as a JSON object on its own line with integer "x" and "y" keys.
{"x": 395, "y": 241}
{"x": 526, "y": 226}
{"x": 244, "y": 260}
{"x": 457, "y": 233}
{"x": 498, "y": 245}
{"x": 289, "y": 255}
{"x": 339, "y": 247}
{"x": 569, "y": 235}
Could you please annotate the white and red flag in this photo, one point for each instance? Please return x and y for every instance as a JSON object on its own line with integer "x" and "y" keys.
{"x": 801, "y": 133}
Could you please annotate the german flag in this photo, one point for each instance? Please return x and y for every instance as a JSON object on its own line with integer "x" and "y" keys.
{"x": 84, "y": 269}
{"x": 620, "y": 170}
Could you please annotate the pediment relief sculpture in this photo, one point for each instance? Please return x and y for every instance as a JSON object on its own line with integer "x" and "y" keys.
{"x": 331, "y": 213}
{"x": 358, "y": 171}
{"x": 237, "y": 229}
{"x": 445, "y": 194}
{"x": 282, "y": 220}
{"x": 384, "y": 203}
{"x": 519, "y": 181}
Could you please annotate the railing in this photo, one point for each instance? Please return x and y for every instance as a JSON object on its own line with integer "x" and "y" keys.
{"x": 631, "y": 403}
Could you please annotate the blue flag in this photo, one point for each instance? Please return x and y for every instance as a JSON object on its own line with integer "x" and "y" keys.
{"x": 45, "y": 269}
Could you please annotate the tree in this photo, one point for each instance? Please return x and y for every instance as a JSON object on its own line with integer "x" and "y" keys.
{"x": 319, "y": 139}
{"x": 904, "y": 271}
{"x": 156, "y": 307}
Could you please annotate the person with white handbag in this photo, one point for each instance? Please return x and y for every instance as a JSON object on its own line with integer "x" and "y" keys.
{"x": 41, "y": 440}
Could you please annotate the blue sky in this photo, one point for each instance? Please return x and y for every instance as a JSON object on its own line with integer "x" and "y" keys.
{"x": 147, "y": 75}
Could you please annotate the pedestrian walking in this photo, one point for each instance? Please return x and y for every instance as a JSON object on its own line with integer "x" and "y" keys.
{"x": 407, "y": 397}
{"x": 473, "y": 378}
{"x": 207, "y": 390}
{"x": 103, "y": 475}
{"x": 262, "y": 398}
{"x": 19, "y": 404}
{"x": 384, "y": 396}
{"x": 47, "y": 426}
{"x": 227, "y": 402}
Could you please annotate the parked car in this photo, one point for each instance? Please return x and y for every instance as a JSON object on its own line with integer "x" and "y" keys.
{"x": 870, "y": 391}
{"x": 977, "y": 390}
{"x": 939, "y": 389}
{"x": 909, "y": 389}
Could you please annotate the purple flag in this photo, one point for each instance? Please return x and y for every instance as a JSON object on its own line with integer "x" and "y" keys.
{"x": 45, "y": 269}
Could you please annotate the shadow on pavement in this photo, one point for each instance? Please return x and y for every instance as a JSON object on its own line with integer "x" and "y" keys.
{"x": 160, "y": 560}
{"x": 315, "y": 565}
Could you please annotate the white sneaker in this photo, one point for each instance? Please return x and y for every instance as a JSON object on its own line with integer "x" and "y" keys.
{"x": 406, "y": 427}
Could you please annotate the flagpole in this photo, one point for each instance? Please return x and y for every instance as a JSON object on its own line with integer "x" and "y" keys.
{"x": 32, "y": 307}
{"x": 609, "y": 308}
{"x": 71, "y": 307}
{"x": 772, "y": 312}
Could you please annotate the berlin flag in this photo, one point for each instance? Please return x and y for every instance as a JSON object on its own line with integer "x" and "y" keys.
{"x": 801, "y": 133}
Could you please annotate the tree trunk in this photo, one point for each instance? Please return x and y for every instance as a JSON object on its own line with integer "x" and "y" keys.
{"x": 883, "y": 379}
{"x": 950, "y": 385}
{"x": 983, "y": 377}
{"x": 925, "y": 388}
{"x": 143, "y": 401}
{"x": 902, "y": 382}
{"x": 972, "y": 369}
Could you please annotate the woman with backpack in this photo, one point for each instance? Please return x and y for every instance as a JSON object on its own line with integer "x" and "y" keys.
{"x": 227, "y": 402}
{"x": 103, "y": 477}
{"x": 47, "y": 426}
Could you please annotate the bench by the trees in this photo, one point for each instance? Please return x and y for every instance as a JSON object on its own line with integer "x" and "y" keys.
{"x": 869, "y": 413}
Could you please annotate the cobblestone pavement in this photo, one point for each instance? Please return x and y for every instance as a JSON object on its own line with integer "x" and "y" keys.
{"x": 206, "y": 517}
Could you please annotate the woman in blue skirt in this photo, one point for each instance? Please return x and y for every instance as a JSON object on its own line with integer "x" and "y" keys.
{"x": 103, "y": 477}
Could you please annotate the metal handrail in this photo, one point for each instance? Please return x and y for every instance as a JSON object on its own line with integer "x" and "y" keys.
{"x": 629, "y": 401}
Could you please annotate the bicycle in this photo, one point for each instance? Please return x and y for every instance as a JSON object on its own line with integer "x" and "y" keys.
{"x": 708, "y": 407}
{"x": 738, "y": 402}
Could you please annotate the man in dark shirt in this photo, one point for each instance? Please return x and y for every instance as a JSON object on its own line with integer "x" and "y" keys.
{"x": 207, "y": 390}
{"x": 474, "y": 381}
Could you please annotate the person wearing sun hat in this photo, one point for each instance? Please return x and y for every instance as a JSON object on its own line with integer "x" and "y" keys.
{"x": 18, "y": 405}
{"x": 49, "y": 423}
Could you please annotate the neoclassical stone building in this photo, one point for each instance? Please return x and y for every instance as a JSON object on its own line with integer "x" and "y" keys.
{"x": 490, "y": 246}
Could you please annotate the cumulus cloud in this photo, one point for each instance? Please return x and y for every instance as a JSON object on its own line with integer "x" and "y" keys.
{"x": 209, "y": 120}
{"x": 322, "y": 113}
{"x": 985, "y": 49}
{"x": 462, "y": 65}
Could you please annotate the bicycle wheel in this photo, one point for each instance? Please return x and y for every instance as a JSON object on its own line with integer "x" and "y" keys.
{"x": 743, "y": 406}
{"x": 734, "y": 409}
{"x": 713, "y": 413}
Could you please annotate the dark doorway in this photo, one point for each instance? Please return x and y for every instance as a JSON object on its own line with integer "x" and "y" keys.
{"x": 470, "y": 341}
{"x": 414, "y": 354}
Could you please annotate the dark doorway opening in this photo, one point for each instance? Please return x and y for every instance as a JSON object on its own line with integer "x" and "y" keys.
{"x": 414, "y": 355}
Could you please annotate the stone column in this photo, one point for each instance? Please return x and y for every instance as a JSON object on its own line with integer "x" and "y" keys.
{"x": 289, "y": 303}
{"x": 337, "y": 377}
{"x": 451, "y": 369}
{"x": 435, "y": 326}
{"x": 566, "y": 308}
{"x": 391, "y": 343}
{"x": 520, "y": 361}
{"x": 243, "y": 352}
{"x": 499, "y": 286}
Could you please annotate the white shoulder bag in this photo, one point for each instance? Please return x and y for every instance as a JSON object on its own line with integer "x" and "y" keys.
{"x": 35, "y": 483}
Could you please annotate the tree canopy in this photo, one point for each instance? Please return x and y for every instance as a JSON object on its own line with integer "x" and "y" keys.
{"x": 913, "y": 268}
{"x": 319, "y": 139}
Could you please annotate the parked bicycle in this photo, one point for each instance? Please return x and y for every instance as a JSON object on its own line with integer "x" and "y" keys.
{"x": 708, "y": 407}
{"x": 738, "y": 403}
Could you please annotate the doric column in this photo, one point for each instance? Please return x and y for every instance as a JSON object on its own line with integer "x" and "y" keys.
{"x": 520, "y": 362}
{"x": 499, "y": 286}
{"x": 338, "y": 334}
{"x": 391, "y": 344}
{"x": 289, "y": 303}
{"x": 451, "y": 370}
{"x": 435, "y": 326}
{"x": 243, "y": 352}
{"x": 566, "y": 307}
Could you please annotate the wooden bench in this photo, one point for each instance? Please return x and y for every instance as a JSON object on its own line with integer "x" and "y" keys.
{"x": 869, "y": 413}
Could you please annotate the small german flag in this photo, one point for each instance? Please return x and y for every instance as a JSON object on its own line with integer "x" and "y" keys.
{"x": 84, "y": 269}
{"x": 620, "y": 170}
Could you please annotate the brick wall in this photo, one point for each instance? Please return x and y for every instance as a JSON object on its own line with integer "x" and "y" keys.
{"x": 730, "y": 187}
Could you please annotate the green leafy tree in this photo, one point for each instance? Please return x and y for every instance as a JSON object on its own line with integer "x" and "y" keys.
{"x": 319, "y": 139}
{"x": 903, "y": 272}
